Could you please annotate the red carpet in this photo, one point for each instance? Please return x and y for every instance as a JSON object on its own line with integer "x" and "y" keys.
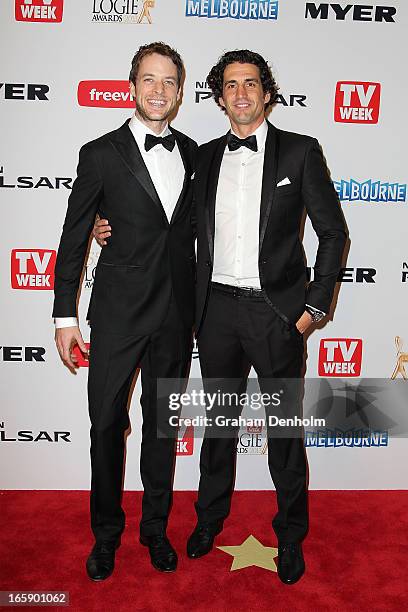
{"x": 356, "y": 555}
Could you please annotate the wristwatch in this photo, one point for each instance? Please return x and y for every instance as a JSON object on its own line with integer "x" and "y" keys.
{"x": 317, "y": 315}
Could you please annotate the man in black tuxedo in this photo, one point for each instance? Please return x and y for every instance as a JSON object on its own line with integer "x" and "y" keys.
{"x": 253, "y": 305}
{"x": 142, "y": 305}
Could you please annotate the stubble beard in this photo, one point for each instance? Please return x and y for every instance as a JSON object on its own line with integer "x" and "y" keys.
{"x": 146, "y": 117}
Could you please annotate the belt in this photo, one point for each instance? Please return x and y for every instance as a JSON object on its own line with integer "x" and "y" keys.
{"x": 239, "y": 291}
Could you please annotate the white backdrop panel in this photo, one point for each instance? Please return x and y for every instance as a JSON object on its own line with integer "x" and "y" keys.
{"x": 42, "y": 139}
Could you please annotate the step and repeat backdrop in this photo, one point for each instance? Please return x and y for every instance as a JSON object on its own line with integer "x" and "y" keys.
{"x": 64, "y": 71}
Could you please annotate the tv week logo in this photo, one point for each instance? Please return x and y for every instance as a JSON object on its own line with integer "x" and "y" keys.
{"x": 357, "y": 102}
{"x": 81, "y": 361}
{"x": 340, "y": 356}
{"x": 32, "y": 268}
{"x": 105, "y": 94}
{"x": 185, "y": 443}
{"x": 48, "y": 11}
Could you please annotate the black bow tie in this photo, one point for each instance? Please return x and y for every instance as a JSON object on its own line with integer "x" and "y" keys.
{"x": 235, "y": 143}
{"x": 168, "y": 142}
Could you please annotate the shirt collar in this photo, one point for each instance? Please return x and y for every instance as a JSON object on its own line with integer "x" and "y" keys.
{"x": 261, "y": 133}
{"x": 139, "y": 131}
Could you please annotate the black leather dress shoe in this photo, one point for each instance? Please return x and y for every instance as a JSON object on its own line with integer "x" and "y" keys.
{"x": 162, "y": 554}
{"x": 101, "y": 562}
{"x": 291, "y": 565}
{"x": 201, "y": 540}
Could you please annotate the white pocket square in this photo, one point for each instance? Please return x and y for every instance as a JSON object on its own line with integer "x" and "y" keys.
{"x": 192, "y": 176}
{"x": 284, "y": 181}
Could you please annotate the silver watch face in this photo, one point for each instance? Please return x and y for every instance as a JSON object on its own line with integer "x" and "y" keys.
{"x": 317, "y": 316}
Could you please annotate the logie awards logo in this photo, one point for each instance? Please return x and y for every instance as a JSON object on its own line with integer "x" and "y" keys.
{"x": 122, "y": 11}
{"x": 402, "y": 359}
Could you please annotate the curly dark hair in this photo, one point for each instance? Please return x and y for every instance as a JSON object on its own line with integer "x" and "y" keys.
{"x": 242, "y": 56}
{"x": 162, "y": 49}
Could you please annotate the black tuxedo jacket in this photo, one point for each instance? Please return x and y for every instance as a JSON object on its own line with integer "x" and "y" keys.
{"x": 282, "y": 268}
{"x": 146, "y": 258}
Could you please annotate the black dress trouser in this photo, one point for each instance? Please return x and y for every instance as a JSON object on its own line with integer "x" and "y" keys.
{"x": 113, "y": 360}
{"x": 237, "y": 333}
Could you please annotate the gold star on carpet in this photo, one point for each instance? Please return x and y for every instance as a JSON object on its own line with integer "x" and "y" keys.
{"x": 251, "y": 552}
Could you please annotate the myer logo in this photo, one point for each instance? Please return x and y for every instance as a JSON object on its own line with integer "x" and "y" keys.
{"x": 370, "y": 191}
{"x": 357, "y": 102}
{"x": 357, "y": 275}
{"x": 351, "y": 275}
{"x": 105, "y": 94}
{"x": 351, "y": 12}
{"x": 236, "y": 9}
{"x": 32, "y": 268}
{"x": 22, "y": 353}
{"x": 49, "y": 11}
{"x": 20, "y": 91}
{"x": 340, "y": 356}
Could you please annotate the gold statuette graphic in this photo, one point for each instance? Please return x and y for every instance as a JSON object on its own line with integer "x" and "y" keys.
{"x": 147, "y": 5}
{"x": 401, "y": 359}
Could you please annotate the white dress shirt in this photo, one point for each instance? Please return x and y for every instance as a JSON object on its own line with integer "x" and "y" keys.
{"x": 237, "y": 214}
{"x": 237, "y": 211}
{"x": 166, "y": 170}
{"x": 165, "y": 167}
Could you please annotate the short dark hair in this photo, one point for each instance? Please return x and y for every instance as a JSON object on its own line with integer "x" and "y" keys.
{"x": 242, "y": 56}
{"x": 162, "y": 49}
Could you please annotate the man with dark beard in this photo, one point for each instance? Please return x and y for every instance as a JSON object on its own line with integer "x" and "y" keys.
{"x": 253, "y": 303}
{"x": 142, "y": 305}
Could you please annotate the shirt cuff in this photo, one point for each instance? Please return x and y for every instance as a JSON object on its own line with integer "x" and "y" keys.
{"x": 65, "y": 322}
{"x": 316, "y": 310}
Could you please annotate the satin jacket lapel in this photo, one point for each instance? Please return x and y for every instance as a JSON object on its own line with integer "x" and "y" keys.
{"x": 125, "y": 145}
{"x": 270, "y": 171}
{"x": 182, "y": 144}
{"x": 211, "y": 195}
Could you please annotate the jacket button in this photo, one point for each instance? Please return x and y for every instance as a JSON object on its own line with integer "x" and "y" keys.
{"x": 263, "y": 261}
{"x": 208, "y": 263}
